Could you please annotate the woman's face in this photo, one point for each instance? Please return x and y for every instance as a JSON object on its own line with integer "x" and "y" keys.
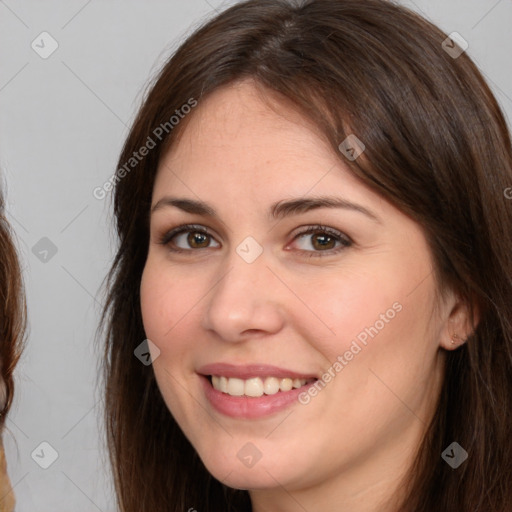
{"x": 263, "y": 305}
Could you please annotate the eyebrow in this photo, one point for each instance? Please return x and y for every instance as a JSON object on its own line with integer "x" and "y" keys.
{"x": 277, "y": 210}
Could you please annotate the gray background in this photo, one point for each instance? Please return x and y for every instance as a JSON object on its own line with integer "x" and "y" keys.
{"x": 62, "y": 123}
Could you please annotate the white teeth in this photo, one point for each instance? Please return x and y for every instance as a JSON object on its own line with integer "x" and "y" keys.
{"x": 255, "y": 387}
{"x": 223, "y": 385}
{"x": 271, "y": 386}
{"x": 286, "y": 384}
{"x": 236, "y": 387}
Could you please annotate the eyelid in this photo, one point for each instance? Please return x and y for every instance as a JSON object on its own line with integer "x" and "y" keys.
{"x": 315, "y": 228}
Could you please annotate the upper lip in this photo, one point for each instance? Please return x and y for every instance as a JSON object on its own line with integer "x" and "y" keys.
{"x": 251, "y": 370}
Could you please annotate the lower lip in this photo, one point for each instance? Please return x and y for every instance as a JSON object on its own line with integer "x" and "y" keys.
{"x": 251, "y": 407}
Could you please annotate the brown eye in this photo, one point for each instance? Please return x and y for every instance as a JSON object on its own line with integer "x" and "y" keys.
{"x": 198, "y": 240}
{"x": 188, "y": 238}
{"x": 322, "y": 241}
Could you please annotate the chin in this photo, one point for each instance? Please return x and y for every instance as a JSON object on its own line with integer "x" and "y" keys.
{"x": 248, "y": 479}
{"x": 262, "y": 474}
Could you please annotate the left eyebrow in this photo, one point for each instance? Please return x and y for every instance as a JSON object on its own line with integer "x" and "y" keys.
{"x": 277, "y": 210}
{"x": 297, "y": 206}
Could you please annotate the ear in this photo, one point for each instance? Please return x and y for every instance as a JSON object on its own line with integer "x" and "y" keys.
{"x": 458, "y": 326}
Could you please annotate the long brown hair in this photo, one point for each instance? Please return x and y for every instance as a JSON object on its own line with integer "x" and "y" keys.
{"x": 12, "y": 313}
{"x": 437, "y": 147}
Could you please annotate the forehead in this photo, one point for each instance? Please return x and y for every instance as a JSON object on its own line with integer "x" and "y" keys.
{"x": 241, "y": 135}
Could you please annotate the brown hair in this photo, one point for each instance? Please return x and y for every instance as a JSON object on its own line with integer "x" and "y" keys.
{"x": 437, "y": 147}
{"x": 12, "y": 313}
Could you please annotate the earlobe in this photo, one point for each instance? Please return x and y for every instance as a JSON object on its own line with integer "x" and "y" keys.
{"x": 457, "y": 340}
{"x": 460, "y": 325}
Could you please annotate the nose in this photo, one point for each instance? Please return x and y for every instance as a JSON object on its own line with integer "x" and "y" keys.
{"x": 247, "y": 301}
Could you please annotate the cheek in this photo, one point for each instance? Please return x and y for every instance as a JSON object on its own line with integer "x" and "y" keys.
{"x": 167, "y": 307}
{"x": 378, "y": 317}
{"x": 383, "y": 338}
{"x": 153, "y": 299}
{"x": 167, "y": 302}
{"x": 343, "y": 305}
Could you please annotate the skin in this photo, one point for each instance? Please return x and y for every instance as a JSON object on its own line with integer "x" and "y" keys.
{"x": 348, "y": 448}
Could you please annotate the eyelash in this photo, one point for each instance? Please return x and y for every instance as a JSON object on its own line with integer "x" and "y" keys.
{"x": 343, "y": 239}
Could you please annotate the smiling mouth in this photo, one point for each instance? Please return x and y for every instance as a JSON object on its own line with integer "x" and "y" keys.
{"x": 256, "y": 386}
